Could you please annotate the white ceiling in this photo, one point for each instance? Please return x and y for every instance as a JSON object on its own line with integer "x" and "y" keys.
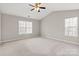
{"x": 23, "y": 9}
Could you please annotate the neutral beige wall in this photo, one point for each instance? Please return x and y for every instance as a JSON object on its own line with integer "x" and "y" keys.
{"x": 52, "y": 26}
{"x": 10, "y": 28}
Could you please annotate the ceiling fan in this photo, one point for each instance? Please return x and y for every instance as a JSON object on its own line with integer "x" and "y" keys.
{"x": 37, "y": 6}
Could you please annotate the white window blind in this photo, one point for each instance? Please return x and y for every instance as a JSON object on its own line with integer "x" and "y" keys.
{"x": 71, "y": 26}
{"x": 25, "y": 27}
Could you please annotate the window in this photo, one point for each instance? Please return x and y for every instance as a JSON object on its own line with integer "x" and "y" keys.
{"x": 71, "y": 26}
{"x": 25, "y": 27}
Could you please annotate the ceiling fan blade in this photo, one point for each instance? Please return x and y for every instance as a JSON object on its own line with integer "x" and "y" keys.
{"x": 32, "y": 9}
{"x": 42, "y": 7}
{"x": 31, "y": 5}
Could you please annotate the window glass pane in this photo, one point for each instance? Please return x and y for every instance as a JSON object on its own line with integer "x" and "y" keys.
{"x": 25, "y": 27}
{"x": 21, "y": 27}
{"x": 71, "y": 26}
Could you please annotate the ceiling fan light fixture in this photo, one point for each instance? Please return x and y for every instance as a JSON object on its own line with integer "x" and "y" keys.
{"x": 36, "y": 7}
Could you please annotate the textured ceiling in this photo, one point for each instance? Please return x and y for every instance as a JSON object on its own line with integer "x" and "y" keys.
{"x": 23, "y": 9}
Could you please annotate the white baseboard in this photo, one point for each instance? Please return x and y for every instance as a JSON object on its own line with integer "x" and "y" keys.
{"x": 66, "y": 41}
{"x": 5, "y": 41}
{"x": 14, "y": 39}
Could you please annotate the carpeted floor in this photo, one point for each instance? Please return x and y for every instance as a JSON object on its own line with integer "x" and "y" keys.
{"x": 38, "y": 47}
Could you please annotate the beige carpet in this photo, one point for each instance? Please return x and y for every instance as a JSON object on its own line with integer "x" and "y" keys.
{"x": 38, "y": 47}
